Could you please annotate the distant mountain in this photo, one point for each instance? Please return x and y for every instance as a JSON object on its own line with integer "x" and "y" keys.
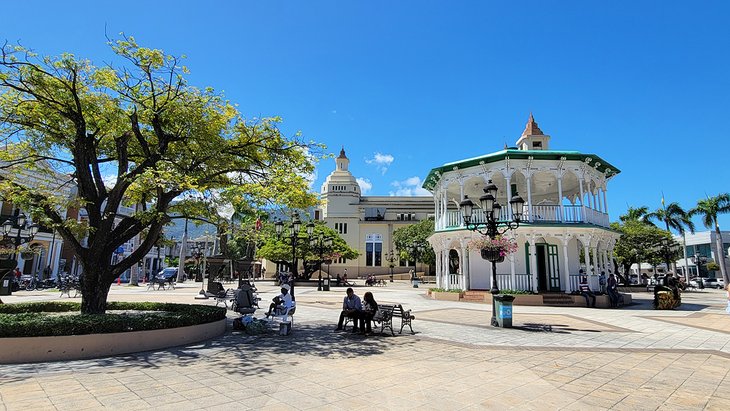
{"x": 194, "y": 231}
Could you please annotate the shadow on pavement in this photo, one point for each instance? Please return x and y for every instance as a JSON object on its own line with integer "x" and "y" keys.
{"x": 254, "y": 355}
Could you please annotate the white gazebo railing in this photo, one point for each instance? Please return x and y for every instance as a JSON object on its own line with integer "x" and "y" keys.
{"x": 571, "y": 214}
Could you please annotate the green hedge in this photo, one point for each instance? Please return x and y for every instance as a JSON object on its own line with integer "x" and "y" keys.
{"x": 39, "y": 320}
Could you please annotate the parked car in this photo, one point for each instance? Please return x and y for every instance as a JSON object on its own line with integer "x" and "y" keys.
{"x": 167, "y": 273}
{"x": 718, "y": 283}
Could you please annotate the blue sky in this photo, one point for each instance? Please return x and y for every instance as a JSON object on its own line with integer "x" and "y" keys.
{"x": 407, "y": 86}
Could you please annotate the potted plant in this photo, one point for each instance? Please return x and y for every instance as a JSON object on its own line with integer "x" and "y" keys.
{"x": 493, "y": 249}
{"x": 6, "y": 251}
{"x": 28, "y": 252}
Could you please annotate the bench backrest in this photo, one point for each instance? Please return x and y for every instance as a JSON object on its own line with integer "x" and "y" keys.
{"x": 385, "y": 312}
{"x": 244, "y": 297}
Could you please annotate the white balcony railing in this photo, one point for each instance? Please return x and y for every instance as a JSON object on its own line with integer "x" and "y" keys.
{"x": 571, "y": 214}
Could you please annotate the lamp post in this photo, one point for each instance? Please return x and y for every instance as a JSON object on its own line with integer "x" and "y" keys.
{"x": 293, "y": 238}
{"x": 668, "y": 247}
{"x": 390, "y": 258}
{"x": 416, "y": 249}
{"x": 492, "y": 226}
{"x": 699, "y": 261}
{"x": 19, "y": 222}
{"x": 320, "y": 243}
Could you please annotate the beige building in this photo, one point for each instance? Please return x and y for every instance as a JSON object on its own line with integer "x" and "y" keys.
{"x": 367, "y": 222}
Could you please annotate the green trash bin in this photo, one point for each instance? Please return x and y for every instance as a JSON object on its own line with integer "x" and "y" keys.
{"x": 6, "y": 284}
{"x": 503, "y": 310}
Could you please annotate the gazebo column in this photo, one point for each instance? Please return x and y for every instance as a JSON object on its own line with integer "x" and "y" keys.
{"x": 512, "y": 273}
{"x": 566, "y": 271}
{"x": 582, "y": 201}
{"x": 586, "y": 258}
{"x": 509, "y": 196}
{"x": 439, "y": 268}
{"x": 529, "y": 198}
{"x": 560, "y": 198}
{"x": 466, "y": 270}
{"x": 605, "y": 204}
{"x": 462, "y": 266}
{"x": 533, "y": 264}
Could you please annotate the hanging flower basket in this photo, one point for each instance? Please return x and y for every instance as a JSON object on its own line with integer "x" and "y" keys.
{"x": 493, "y": 249}
{"x": 27, "y": 255}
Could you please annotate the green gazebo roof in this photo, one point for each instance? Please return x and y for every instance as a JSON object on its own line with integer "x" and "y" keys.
{"x": 435, "y": 174}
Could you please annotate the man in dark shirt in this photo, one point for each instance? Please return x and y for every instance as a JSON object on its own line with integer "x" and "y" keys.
{"x": 586, "y": 292}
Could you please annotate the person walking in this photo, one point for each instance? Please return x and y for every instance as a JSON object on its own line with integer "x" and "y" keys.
{"x": 351, "y": 308}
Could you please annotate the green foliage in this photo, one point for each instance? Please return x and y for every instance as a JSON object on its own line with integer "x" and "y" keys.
{"x": 133, "y": 133}
{"x": 443, "y": 290}
{"x": 405, "y": 236}
{"x": 514, "y": 292}
{"x": 638, "y": 243}
{"x": 280, "y": 250}
{"x": 43, "y": 318}
{"x": 712, "y": 266}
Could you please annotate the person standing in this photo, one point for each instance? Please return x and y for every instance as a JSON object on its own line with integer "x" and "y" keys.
{"x": 351, "y": 308}
{"x": 602, "y": 282}
{"x": 613, "y": 294}
{"x": 727, "y": 290}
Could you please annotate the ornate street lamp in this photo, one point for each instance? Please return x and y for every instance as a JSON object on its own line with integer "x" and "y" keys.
{"x": 320, "y": 244}
{"x": 699, "y": 261}
{"x": 18, "y": 222}
{"x": 293, "y": 239}
{"x": 416, "y": 248}
{"x": 492, "y": 226}
{"x": 390, "y": 258}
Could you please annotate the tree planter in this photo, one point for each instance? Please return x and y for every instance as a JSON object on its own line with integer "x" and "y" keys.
{"x": 445, "y": 296}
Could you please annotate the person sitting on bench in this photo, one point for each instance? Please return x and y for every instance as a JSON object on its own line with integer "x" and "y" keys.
{"x": 586, "y": 292}
{"x": 368, "y": 312}
{"x": 281, "y": 303}
{"x": 351, "y": 308}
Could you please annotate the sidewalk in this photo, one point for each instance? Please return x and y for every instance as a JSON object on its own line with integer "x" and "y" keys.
{"x": 563, "y": 358}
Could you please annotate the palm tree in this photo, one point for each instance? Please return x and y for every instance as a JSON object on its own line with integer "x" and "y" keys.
{"x": 709, "y": 209}
{"x": 674, "y": 217}
{"x": 640, "y": 214}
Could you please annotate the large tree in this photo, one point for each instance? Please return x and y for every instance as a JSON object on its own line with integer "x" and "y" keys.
{"x": 137, "y": 134}
{"x": 639, "y": 242}
{"x": 675, "y": 218}
{"x": 709, "y": 209}
{"x": 404, "y": 237}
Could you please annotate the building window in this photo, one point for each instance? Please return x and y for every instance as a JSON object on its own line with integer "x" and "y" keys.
{"x": 341, "y": 228}
{"x": 341, "y": 260}
{"x": 373, "y": 250}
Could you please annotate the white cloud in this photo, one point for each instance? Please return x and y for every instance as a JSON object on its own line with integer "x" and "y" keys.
{"x": 365, "y": 185}
{"x": 409, "y": 187}
{"x": 381, "y": 161}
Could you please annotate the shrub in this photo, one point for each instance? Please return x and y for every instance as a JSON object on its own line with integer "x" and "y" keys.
{"x": 42, "y": 319}
{"x": 443, "y": 290}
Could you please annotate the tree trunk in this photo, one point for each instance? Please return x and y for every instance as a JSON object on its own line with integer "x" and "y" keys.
{"x": 721, "y": 254}
{"x": 94, "y": 291}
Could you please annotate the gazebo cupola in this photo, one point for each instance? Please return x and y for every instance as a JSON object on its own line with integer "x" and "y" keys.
{"x": 533, "y": 138}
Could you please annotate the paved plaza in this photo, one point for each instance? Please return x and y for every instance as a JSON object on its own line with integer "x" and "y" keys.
{"x": 554, "y": 358}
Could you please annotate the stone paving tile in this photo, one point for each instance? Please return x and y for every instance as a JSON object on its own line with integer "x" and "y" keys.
{"x": 447, "y": 365}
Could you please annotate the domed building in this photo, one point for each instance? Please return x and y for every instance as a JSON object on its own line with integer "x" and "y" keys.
{"x": 564, "y": 223}
{"x": 367, "y": 222}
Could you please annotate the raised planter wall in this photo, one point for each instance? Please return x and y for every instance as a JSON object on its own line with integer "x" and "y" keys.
{"x": 445, "y": 296}
{"x": 77, "y": 347}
